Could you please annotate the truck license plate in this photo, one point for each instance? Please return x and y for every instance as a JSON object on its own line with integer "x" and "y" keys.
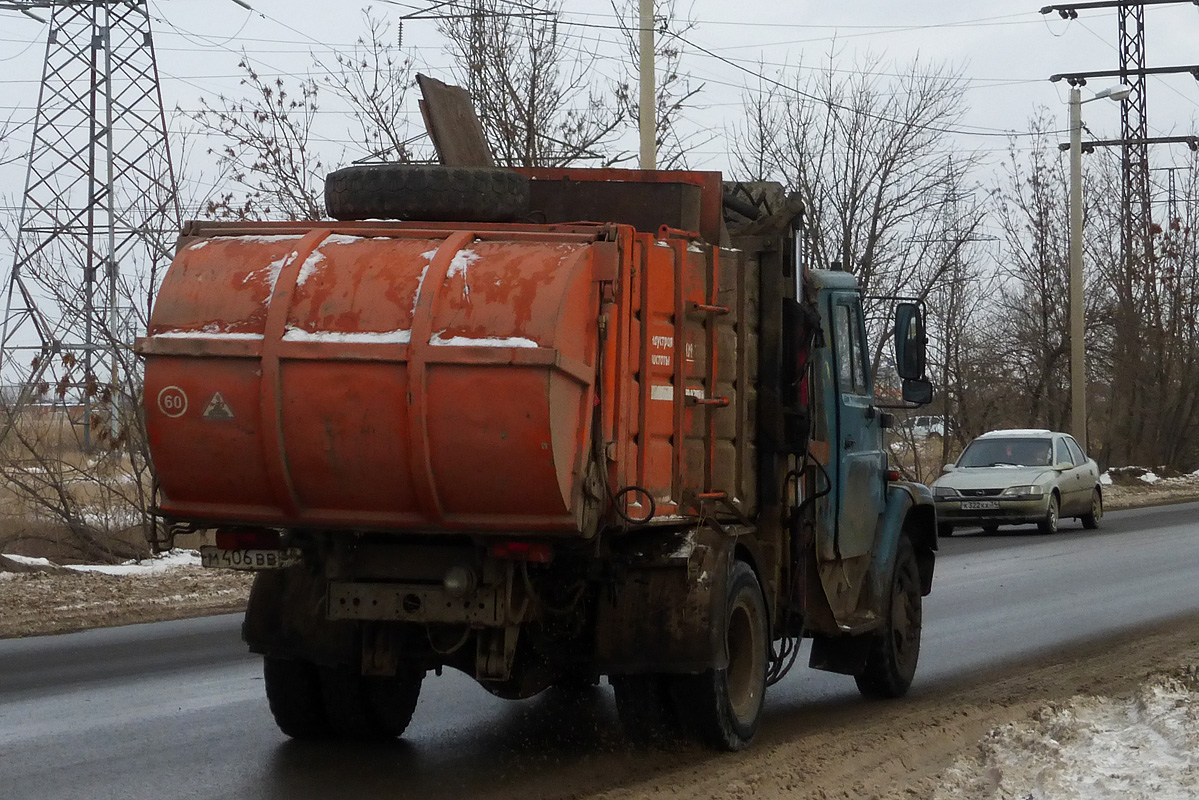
{"x": 248, "y": 559}
{"x": 980, "y": 505}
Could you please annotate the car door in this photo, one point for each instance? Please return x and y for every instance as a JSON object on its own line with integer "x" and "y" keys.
{"x": 1068, "y": 479}
{"x": 861, "y": 461}
{"x": 1088, "y": 473}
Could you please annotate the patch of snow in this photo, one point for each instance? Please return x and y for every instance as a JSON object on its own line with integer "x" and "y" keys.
{"x": 345, "y": 238}
{"x": 200, "y": 245}
{"x": 311, "y": 265}
{"x": 1090, "y": 749}
{"x": 286, "y": 237}
{"x": 207, "y": 333}
{"x": 490, "y": 341}
{"x": 401, "y": 336}
{"x": 1106, "y": 479}
{"x": 173, "y": 559}
{"x": 428, "y": 254}
{"x": 33, "y": 562}
{"x": 420, "y": 284}
{"x": 459, "y": 265}
{"x": 1150, "y": 477}
{"x": 270, "y": 273}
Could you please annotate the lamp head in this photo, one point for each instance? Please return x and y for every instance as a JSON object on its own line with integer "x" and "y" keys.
{"x": 1119, "y": 92}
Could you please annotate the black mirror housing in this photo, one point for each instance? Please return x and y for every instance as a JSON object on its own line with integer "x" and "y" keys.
{"x": 918, "y": 391}
{"x": 910, "y": 343}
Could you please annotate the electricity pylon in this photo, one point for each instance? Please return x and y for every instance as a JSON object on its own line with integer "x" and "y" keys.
{"x": 100, "y": 201}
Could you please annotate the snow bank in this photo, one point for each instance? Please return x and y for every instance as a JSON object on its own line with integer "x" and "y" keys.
{"x": 156, "y": 564}
{"x": 160, "y": 563}
{"x": 1091, "y": 748}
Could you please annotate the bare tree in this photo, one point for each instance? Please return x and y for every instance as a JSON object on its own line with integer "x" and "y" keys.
{"x": 373, "y": 79}
{"x": 868, "y": 157}
{"x": 266, "y": 149}
{"x": 673, "y": 87}
{"x": 533, "y": 90}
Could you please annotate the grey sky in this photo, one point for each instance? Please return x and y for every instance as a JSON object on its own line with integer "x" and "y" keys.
{"x": 1006, "y": 51}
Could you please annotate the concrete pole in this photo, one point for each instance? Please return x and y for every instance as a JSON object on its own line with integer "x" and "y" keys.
{"x": 1078, "y": 367}
{"x": 647, "y": 108}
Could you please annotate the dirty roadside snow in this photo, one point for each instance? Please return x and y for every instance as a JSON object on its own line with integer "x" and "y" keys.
{"x": 47, "y": 598}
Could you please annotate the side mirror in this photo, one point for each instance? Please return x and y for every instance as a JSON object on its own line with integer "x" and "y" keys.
{"x": 918, "y": 391}
{"x": 909, "y": 343}
{"x": 949, "y": 467}
{"x": 1062, "y": 467}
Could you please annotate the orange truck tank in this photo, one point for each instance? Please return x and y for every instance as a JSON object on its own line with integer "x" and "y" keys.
{"x": 390, "y": 376}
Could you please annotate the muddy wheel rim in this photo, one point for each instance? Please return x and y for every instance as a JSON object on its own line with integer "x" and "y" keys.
{"x": 1051, "y": 516}
{"x": 1097, "y": 506}
{"x": 906, "y": 618}
{"x": 746, "y": 661}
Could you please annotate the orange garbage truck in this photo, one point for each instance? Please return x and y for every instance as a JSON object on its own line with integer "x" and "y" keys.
{"x": 542, "y": 426}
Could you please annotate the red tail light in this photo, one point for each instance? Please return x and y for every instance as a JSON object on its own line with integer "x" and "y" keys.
{"x": 892, "y": 474}
{"x": 247, "y": 539}
{"x": 536, "y": 552}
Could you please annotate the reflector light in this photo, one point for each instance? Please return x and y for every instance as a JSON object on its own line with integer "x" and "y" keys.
{"x": 247, "y": 539}
{"x": 892, "y": 474}
{"x": 536, "y": 552}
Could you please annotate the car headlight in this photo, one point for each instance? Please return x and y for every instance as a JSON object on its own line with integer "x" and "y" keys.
{"x": 1024, "y": 491}
{"x": 944, "y": 491}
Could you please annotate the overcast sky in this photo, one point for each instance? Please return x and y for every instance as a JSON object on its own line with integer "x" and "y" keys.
{"x": 1006, "y": 51}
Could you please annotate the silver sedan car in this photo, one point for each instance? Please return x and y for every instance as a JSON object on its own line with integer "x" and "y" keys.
{"x": 1015, "y": 477}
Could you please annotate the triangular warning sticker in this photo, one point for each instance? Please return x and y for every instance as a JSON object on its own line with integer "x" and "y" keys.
{"x": 217, "y": 408}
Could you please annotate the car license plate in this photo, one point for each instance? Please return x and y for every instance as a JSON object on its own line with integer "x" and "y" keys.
{"x": 248, "y": 559}
{"x": 980, "y": 505}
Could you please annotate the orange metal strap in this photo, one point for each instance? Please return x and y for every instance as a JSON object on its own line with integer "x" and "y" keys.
{"x": 418, "y": 359}
{"x": 271, "y": 408}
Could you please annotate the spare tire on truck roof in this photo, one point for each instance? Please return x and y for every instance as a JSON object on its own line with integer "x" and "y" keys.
{"x": 426, "y": 192}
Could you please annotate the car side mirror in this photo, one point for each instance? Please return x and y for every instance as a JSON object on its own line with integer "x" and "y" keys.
{"x": 918, "y": 391}
{"x": 949, "y": 468}
{"x": 1063, "y": 466}
{"x": 910, "y": 343}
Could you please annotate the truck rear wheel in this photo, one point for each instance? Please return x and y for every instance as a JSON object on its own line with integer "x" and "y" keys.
{"x": 293, "y": 692}
{"x": 369, "y": 707}
{"x": 427, "y": 192}
{"x": 724, "y": 706}
{"x": 894, "y": 651}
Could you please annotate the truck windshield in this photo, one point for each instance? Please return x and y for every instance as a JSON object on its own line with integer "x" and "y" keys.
{"x": 1007, "y": 453}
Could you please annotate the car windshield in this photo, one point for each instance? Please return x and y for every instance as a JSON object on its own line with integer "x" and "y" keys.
{"x": 996, "y": 452}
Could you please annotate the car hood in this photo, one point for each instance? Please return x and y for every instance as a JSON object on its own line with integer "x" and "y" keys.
{"x": 993, "y": 477}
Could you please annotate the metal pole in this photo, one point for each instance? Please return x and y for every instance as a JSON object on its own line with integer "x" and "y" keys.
{"x": 647, "y": 109}
{"x": 1078, "y": 368}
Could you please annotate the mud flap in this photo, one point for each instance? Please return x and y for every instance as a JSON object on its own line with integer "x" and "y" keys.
{"x": 286, "y": 618}
{"x": 843, "y": 654}
{"x": 663, "y": 607}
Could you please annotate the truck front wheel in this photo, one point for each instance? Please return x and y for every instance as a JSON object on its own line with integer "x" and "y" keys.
{"x": 724, "y": 706}
{"x": 293, "y": 691}
{"x": 894, "y": 650}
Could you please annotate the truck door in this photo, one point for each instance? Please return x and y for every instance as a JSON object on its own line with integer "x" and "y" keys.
{"x": 859, "y": 458}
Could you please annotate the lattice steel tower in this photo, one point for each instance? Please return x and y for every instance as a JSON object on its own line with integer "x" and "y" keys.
{"x": 100, "y": 201}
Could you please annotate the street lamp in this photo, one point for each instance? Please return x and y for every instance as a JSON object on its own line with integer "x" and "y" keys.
{"x": 1078, "y": 367}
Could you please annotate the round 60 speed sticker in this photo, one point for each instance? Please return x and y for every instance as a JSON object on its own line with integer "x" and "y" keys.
{"x": 172, "y": 401}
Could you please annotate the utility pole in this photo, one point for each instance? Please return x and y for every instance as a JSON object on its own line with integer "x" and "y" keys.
{"x": 1136, "y": 240}
{"x": 100, "y": 201}
{"x": 647, "y": 109}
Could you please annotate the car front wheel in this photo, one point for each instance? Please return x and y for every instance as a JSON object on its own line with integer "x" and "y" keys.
{"x": 1049, "y": 523}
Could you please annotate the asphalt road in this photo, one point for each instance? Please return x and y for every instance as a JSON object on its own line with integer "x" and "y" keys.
{"x": 176, "y": 710}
